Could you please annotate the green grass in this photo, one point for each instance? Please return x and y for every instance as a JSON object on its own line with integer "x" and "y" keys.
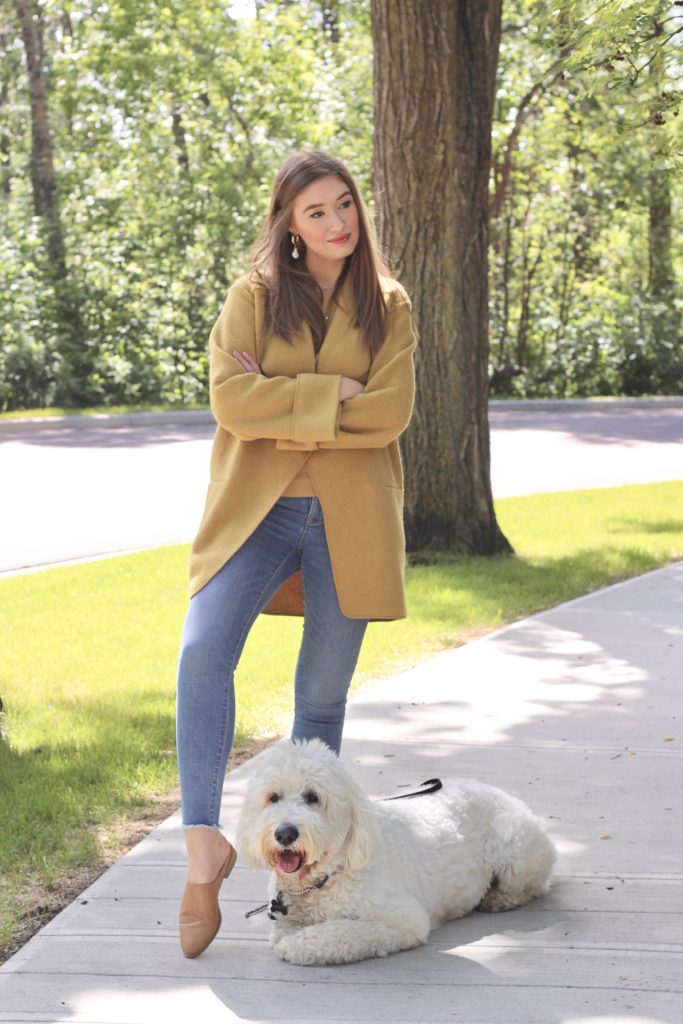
{"x": 108, "y": 410}
{"x": 87, "y": 676}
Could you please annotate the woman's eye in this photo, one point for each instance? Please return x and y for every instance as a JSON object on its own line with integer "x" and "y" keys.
{"x": 317, "y": 212}
{"x": 310, "y": 797}
{"x": 273, "y": 798}
{"x": 346, "y": 203}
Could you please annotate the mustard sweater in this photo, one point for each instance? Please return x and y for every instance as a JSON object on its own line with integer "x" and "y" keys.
{"x": 270, "y": 426}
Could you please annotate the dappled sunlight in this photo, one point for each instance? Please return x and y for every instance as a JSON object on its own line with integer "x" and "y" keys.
{"x": 182, "y": 1003}
{"x": 497, "y": 687}
{"x": 567, "y": 847}
{"x": 489, "y": 939}
{"x": 601, "y": 1019}
{"x": 497, "y": 960}
{"x": 573, "y": 710}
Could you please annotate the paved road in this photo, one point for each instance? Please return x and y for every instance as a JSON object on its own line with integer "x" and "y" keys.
{"x": 75, "y": 493}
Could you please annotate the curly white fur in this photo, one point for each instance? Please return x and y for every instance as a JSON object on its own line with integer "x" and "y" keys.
{"x": 396, "y": 869}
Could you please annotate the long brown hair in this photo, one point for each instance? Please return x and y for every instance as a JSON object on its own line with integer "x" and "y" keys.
{"x": 293, "y": 295}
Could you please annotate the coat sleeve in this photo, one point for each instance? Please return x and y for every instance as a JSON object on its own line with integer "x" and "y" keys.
{"x": 376, "y": 417}
{"x": 304, "y": 409}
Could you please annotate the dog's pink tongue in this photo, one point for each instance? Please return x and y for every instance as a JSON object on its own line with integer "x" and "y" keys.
{"x": 289, "y": 861}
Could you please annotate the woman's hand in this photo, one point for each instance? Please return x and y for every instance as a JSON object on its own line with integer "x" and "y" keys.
{"x": 350, "y": 388}
{"x": 247, "y": 362}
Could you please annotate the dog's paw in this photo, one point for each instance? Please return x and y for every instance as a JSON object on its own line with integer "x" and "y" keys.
{"x": 495, "y": 902}
{"x": 498, "y": 900}
{"x": 296, "y": 950}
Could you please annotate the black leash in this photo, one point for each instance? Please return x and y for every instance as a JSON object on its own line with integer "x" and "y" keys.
{"x": 430, "y": 786}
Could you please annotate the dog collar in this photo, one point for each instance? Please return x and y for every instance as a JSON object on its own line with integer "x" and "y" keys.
{"x": 277, "y": 906}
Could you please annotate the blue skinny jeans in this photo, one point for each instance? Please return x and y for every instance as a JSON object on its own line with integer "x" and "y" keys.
{"x": 220, "y": 615}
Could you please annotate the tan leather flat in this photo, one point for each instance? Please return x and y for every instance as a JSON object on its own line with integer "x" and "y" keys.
{"x": 200, "y": 914}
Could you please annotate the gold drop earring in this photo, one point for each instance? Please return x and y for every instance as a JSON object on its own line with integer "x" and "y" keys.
{"x": 295, "y": 251}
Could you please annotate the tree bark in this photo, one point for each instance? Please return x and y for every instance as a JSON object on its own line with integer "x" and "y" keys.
{"x": 660, "y": 271}
{"x": 665, "y": 319}
{"x": 434, "y": 79}
{"x": 5, "y": 142}
{"x": 5, "y": 163}
{"x": 180, "y": 138}
{"x": 330, "y": 15}
{"x": 43, "y": 178}
{"x": 76, "y": 360}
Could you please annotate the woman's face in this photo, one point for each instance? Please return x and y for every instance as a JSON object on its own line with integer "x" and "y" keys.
{"x": 326, "y": 217}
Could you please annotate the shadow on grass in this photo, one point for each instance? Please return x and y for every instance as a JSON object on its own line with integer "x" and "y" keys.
{"x": 55, "y": 795}
{"x": 672, "y": 526}
{"x": 492, "y": 591}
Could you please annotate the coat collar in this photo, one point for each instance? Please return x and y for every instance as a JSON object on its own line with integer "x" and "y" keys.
{"x": 340, "y": 327}
{"x": 343, "y": 350}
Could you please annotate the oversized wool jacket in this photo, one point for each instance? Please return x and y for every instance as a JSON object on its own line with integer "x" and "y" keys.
{"x": 270, "y": 425}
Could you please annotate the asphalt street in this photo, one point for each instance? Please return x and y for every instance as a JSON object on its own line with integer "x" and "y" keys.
{"x": 77, "y": 493}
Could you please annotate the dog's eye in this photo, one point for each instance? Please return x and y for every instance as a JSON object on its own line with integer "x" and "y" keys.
{"x": 310, "y": 797}
{"x": 273, "y": 798}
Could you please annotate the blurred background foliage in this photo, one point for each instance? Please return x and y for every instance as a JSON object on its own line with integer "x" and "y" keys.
{"x": 164, "y": 123}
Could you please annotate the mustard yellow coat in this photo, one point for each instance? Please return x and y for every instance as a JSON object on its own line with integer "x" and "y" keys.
{"x": 270, "y": 426}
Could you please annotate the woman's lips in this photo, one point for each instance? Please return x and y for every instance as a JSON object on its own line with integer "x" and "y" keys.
{"x": 340, "y": 240}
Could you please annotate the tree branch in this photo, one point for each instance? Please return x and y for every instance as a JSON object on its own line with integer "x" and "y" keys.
{"x": 524, "y": 110}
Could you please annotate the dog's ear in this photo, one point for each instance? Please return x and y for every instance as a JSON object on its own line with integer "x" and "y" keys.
{"x": 247, "y": 836}
{"x": 249, "y": 854}
{"x": 362, "y": 835}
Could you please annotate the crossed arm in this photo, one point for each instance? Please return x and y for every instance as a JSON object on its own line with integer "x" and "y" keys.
{"x": 349, "y": 387}
{"x": 310, "y": 410}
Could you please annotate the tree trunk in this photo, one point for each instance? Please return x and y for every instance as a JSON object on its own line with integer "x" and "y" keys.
{"x": 76, "y": 360}
{"x": 330, "y": 15}
{"x": 435, "y": 69}
{"x": 6, "y": 75}
{"x": 43, "y": 179}
{"x": 660, "y": 270}
{"x": 5, "y": 163}
{"x": 665, "y": 320}
{"x": 180, "y": 138}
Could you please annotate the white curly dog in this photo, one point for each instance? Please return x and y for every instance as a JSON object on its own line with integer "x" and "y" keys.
{"x": 351, "y": 878}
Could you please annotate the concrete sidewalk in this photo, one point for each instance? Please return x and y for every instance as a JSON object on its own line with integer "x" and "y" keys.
{"x": 576, "y": 710}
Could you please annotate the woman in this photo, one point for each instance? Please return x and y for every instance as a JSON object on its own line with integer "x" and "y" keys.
{"x": 311, "y": 383}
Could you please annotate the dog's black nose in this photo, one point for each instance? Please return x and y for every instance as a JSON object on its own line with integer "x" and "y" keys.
{"x": 285, "y": 835}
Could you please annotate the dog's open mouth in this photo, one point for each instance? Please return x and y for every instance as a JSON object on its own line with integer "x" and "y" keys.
{"x": 289, "y": 861}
